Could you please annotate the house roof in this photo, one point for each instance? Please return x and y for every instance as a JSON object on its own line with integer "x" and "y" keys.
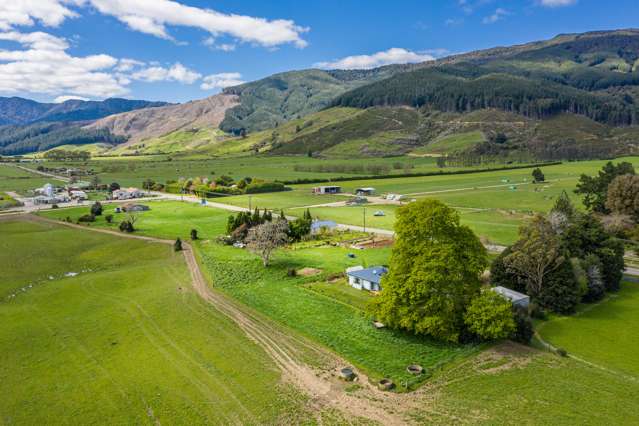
{"x": 317, "y": 224}
{"x": 373, "y": 274}
{"x": 368, "y": 189}
{"x": 512, "y": 295}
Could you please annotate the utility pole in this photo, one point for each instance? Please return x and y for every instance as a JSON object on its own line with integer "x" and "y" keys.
{"x": 250, "y": 202}
{"x": 364, "y": 218}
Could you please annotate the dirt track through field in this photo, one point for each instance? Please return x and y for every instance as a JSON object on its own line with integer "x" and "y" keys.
{"x": 321, "y": 386}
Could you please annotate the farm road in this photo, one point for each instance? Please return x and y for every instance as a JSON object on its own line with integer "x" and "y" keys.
{"x": 284, "y": 348}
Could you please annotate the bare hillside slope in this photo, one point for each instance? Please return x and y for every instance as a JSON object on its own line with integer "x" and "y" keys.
{"x": 154, "y": 122}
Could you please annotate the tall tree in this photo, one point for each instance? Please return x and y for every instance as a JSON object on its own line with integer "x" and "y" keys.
{"x": 537, "y": 253}
{"x": 595, "y": 188}
{"x": 434, "y": 273}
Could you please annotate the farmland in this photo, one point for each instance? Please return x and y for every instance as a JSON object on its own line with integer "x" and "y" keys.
{"x": 343, "y": 327}
{"x": 481, "y": 385}
{"x": 595, "y": 329}
{"x": 14, "y": 179}
{"x": 121, "y": 341}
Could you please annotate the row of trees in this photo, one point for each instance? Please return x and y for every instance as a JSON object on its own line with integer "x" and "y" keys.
{"x": 562, "y": 259}
{"x": 239, "y": 226}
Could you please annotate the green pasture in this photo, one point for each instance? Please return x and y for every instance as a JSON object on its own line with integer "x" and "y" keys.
{"x": 512, "y": 385}
{"x": 20, "y": 181}
{"x": 332, "y": 317}
{"x": 132, "y": 171}
{"x": 126, "y": 341}
{"x": 166, "y": 219}
{"x": 332, "y": 320}
{"x": 603, "y": 333}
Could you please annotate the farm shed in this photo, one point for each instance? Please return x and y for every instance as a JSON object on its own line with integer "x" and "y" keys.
{"x": 364, "y": 191}
{"x": 366, "y": 278}
{"x": 516, "y": 298}
{"x": 327, "y": 190}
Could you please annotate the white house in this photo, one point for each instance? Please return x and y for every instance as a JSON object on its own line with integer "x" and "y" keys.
{"x": 515, "y": 297}
{"x": 127, "y": 194}
{"x": 366, "y": 278}
{"x": 78, "y": 195}
{"x": 47, "y": 190}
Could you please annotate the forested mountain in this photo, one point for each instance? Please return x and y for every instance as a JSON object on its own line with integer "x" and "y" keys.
{"x": 282, "y": 97}
{"x": 35, "y": 137}
{"x": 593, "y": 74}
{"x": 24, "y": 111}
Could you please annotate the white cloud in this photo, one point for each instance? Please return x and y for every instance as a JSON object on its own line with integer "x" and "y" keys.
{"x": 126, "y": 64}
{"x": 177, "y": 72}
{"x": 62, "y": 99}
{"x": 23, "y": 12}
{"x": 43, "y": 65}
{"x": 497, "y": 16}
{"x": 394, "y": 55}
{"x": 211, "y": 43}
{"x": 222, "y": 80}
{"x": 152, "y": 17}
{"x": 557, "y": 3}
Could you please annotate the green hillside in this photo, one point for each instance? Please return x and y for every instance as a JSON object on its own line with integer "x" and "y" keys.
{"x": 592, "y": 74}
{"x": 282, "y": 97}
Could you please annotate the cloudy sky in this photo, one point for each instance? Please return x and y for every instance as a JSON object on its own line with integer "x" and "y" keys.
{"x": 177, "y": 50}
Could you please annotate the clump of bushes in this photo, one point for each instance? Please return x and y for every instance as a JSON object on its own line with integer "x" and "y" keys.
{"x": 86, "y": 218}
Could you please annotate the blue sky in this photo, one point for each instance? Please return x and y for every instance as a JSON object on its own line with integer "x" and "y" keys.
{"x": 177, "y": 50}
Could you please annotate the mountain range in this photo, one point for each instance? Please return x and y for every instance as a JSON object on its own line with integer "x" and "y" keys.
{"x": 575, "y": 95}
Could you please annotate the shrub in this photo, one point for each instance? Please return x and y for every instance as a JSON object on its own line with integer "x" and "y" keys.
{"x": 126, "y": 226}
{"x": 55, "y": 206}
{"x": 87, "y": 218}
{"x": 291, "y": 272}
{"x": 561, "y": 352}
{"x": 490, "y": 316}
{"x": 96, "y": 209}
{"x": 108, "y": 218}
{"x": 194, "y": 234}
{"x": 177, "y": 245}
{"x": 524, "y": 330}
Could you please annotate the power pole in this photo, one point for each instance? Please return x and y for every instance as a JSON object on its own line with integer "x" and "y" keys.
{"x": 364, "y": 218}
{"x": 250, "y": 202}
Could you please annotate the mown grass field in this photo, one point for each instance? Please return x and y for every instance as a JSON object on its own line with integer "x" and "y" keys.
{"x": 604, "y": 333}
{"x": 126, "y": 341}
{"x": 475, "y": 387}
{"x": 166, "y": 219}
{"x": 20, "y": 181}
{"x": 132, "y": 171}
{"x": 512, "y": 386}
{"x": 326, "y": 318}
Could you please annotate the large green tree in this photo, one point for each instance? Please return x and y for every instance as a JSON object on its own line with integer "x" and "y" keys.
{"x": 595, "y": 188}
{"x": 434, "y": 273}
{"x": 542, "y": 261}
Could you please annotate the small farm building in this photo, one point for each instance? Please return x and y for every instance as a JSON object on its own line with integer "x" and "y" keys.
{"x": 327, "y": 190}
{"x": 516, "y": 298}
{"x": 364, "y": 191}
{"x": 366, "y": 278}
